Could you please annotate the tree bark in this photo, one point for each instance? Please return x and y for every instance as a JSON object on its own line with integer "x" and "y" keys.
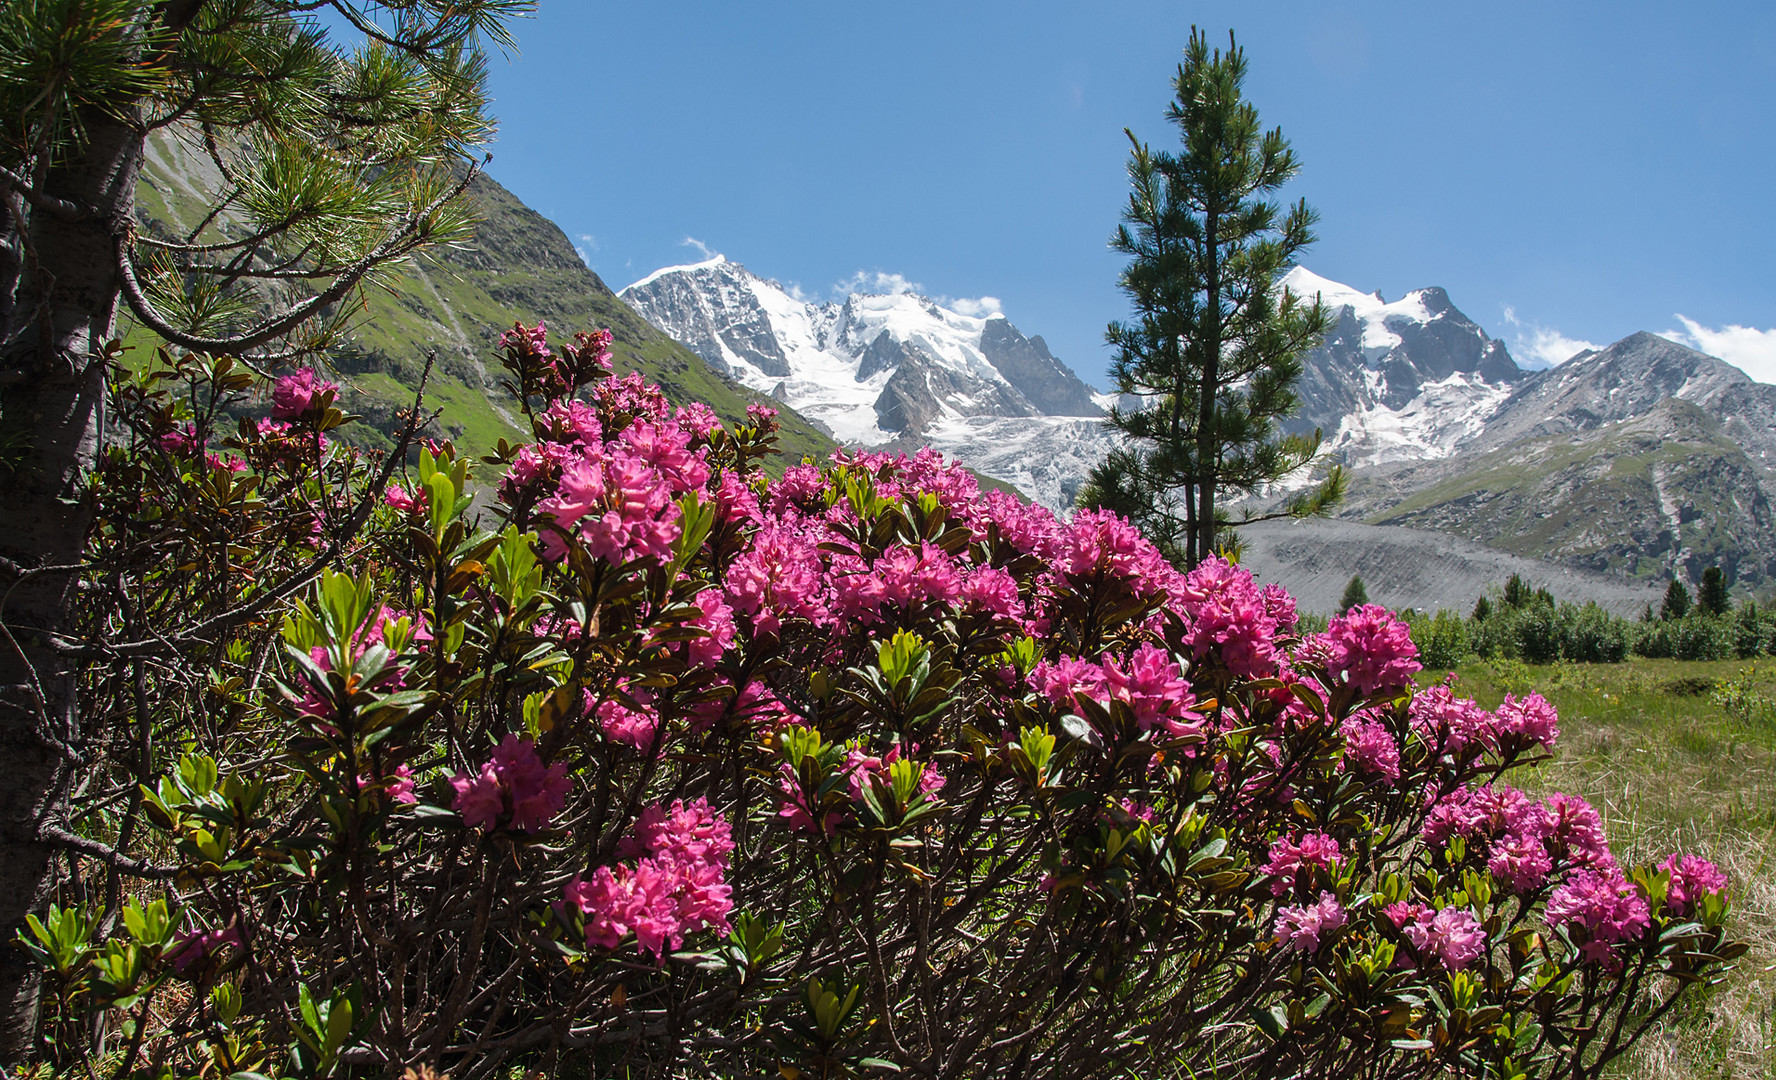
{"x": 52, "y": 398}
{"x": 1207, "y": 439}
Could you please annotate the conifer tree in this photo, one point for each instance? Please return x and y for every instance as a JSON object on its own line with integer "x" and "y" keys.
{"x": 332, "y": 165}
{"x": 1213, "y": 349}
{"x": 1355, "y": 594}
{"x": 1677, "y": 602}
{"x": 1712, "y": 598}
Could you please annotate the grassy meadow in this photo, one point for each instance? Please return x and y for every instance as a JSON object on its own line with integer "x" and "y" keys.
{"x": 1675, "y": 755}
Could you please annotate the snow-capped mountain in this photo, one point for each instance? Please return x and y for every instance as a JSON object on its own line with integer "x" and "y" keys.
{"x": 878, "y": 369}
{"x": 1406, "y": 380}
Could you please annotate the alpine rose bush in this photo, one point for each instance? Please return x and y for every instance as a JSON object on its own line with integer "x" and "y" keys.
{"x": 666, "y": 767}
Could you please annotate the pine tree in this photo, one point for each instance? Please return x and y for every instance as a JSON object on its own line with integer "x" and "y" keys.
{"x": 334, "y": 165}
{"x": 1517, "y": 592}
{"x": 1482, "y": 609}
{"x": 1712, "y": 598}
{"x": 1355, "y": 594}
{"x": 1677, "y": 602}
{"x": 1213, "y": 350}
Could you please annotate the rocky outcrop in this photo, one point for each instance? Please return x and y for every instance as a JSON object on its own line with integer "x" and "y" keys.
{"x": 1046, "y": 383}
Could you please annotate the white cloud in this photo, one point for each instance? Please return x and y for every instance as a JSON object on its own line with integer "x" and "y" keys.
{"x": 979, "y": 308}
{"x": 1747, "y": 348}
{"x": 875, "y": 283}
{"x": 702, "y": 248}
{"x": 1538, "y": 346}
{"x": 584, "y": 249}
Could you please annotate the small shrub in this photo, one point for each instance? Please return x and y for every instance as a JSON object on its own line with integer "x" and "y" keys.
{"x": 1442, "y": 639}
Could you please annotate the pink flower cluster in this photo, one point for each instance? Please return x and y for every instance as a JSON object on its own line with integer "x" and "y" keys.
{"x": 1461, "y": 727}
{"x": 515, "y": 786}
{"x": 1299, "y": 927}
{"x": 1691, "y": 877}
{"x": 1293, "y": 864}
{"x": 676, "y": 886}
{"x": 180, "y": 442}
{"x": 1526, "y": 840}
{"x": 1452, "y": 936}
{"x": 1370, "y": 747}
{"x": 193, "y": 947}
{"x": 301, "y": 393}
{"x": 1227, "y": 612}
{"x": 316, "y": 700}
{"x": 1599, "y": 909}
{"x": 615, "y": 497}
{"x": 1149, "y": 682}
{"x": 1369, "y": 649}
{"x": 861, "y": 768}
{"x": 636, "y": 727}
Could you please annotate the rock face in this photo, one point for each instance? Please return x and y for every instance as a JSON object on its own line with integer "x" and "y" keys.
{"x": 897, "y": 369}
{"x": 1406, "y": 380}
{"x": 1644, "y": 459}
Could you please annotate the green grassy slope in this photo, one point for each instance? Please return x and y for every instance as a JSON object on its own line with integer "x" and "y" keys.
{"x": 454, "y": 303}
{"x": 1664, "y": 492}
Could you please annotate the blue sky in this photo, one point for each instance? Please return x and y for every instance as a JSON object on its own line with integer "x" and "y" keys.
{"x": 1571, "y": 173}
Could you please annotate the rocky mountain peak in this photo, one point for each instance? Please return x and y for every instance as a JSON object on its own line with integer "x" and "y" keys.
{"x": 1401, "y": 380}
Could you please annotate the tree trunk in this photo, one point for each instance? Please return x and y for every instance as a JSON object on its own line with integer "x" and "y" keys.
{"x": 52, "y": 397}
{"x": 1207, "y": 439}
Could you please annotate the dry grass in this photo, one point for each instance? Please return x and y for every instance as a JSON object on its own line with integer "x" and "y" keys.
{"x": 1671, "y": 770}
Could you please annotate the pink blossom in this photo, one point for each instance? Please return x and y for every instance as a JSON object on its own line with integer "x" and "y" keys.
{"x": 218, "y": 463}
{"x": 1442, "y": 719}
{"x": 300, "y": 393}
{"x": 514, "y": 783}
{"x": 1403, "y": 912}
{"x": 1225, "y": 611}
{"x": 1530, "y": 718}
{"x": 1520, "y": 862}
{"x": 800, "y": 488}
{"x": 1599, "y": 908}
{"x": 196, "y": 946}
{"x": 1070, "y": 675}
{"x": 618, "y": 506}
{"x": 1280, "y": 606}
{"x": 1452, "y": 935}
{"x": 1691, "y": 876}
{"x": 180, "y": 441}
{"x": 1151, "y": 684}
{"x": 1027, "y": 528}
{"x": 697, "y": 418}
{"x": 735, "y": 500}
{"x": 665, "y": 448}
{"x": 572, "y": 422}
{"x": 398, "y": 785}
{"x": 1099, "y": 542}
{"x": 796, "y": 808}
{"x": 408, "y": 502}
{"x": 1371, "y": 649}
{"x": 1370, "y": 747}
{"x": 635, "y": 727}
{"x": 1300, "y": 927}
{"x": 779, "y": 578}
{"x": 992, "y": 590}
{"x": 683, "y": 832}
{"x": 717, "y": 624}
{"x": 1575, "y": 832}
{"x": 1289, "y": 859}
